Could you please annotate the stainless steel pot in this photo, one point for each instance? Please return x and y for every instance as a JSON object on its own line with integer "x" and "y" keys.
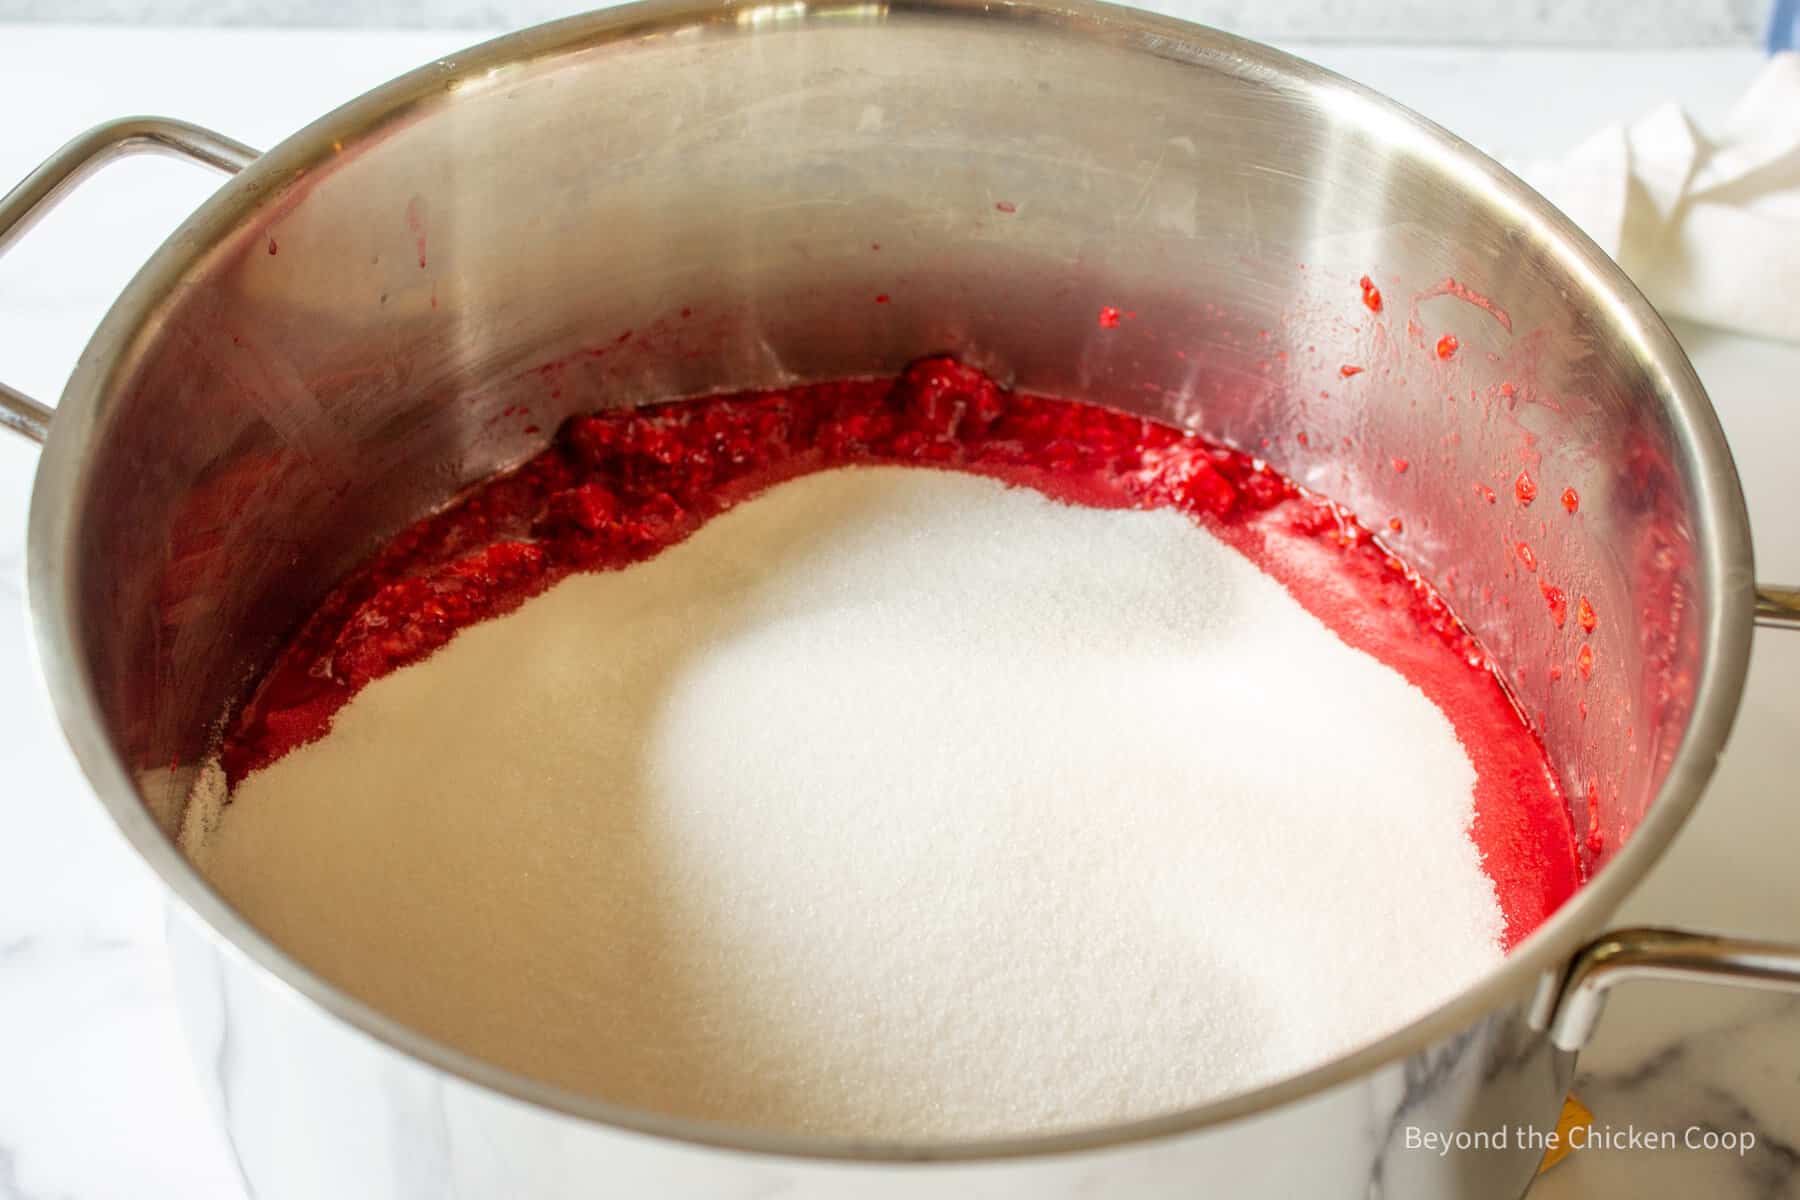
{"x": 677, "y": 198}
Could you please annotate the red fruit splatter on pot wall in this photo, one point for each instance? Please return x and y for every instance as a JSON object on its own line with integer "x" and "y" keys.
{"x": 415, "y": 221}
{"x": 1109, "y": 317}
{"x": 1525, "y": 488}
{"x": 1371, "y": 295}
{"x": 1584, "y": 615}
{"x": 1447, "y": 345}
{"x": 1570, "y": 500}
{"x": 1559, "y": 604}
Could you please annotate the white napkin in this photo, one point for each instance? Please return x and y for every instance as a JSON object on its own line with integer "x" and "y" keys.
{"x": 1709, "y": 227}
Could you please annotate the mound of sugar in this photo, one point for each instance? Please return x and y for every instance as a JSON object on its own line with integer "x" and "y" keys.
{"x": 894, "y": 803}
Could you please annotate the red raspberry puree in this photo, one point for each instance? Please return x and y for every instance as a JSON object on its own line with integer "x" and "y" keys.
{"x": 618, "y": 487}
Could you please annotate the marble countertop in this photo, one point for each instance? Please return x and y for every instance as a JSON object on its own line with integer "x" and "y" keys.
{"x": 97, "y": 1099}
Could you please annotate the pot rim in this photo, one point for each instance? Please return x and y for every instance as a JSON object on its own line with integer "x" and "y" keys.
{"x": 1722, "y": 534}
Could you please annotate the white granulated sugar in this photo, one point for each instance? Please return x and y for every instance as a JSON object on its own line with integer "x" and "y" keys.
{"x": 894, "y": 803}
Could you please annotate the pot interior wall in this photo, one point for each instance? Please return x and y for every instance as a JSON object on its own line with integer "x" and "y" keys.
{"x": 634, "y": 214}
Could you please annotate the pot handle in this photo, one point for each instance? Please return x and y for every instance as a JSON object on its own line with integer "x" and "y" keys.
{"x": 39, "y": 191}
{"x": 1568, "y": 1006}
{"x": 1777, "y": 607}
